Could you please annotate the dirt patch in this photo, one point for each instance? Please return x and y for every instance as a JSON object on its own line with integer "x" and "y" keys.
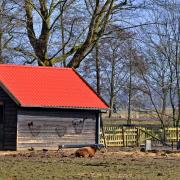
{"x": 100, "y": 154}
{"x": 105, "y": 165}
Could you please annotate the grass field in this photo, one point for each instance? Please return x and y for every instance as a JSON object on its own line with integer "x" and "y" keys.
{"x": 109, "y": 165}
{"x": 138, "y": 118}
{"x": 133, "y": 122}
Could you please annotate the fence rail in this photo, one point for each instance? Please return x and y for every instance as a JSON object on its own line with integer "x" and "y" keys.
{"x": 123, "y": 136}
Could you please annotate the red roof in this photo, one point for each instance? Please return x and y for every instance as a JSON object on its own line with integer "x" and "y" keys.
{"x": 31, "y": 86}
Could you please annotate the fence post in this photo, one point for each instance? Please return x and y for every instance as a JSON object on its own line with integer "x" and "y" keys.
{"x": 103, "y": 131}
{"x": 137, "y": 137}
{"x": 123, "y": 136}
{"x": 126, "y": 141}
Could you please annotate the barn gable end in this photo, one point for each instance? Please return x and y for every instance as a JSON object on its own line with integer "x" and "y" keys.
{"x": 8, "y": 125}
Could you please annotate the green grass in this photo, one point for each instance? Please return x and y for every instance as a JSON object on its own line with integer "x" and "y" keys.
{"x": 103, "y": 166}
{"x": 137, "y": 122}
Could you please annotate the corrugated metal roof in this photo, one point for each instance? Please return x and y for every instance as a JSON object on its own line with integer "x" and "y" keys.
{"x": 32, "y": 86}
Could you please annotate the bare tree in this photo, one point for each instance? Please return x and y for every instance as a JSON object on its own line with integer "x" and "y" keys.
{"x": 6, "y": 27}
{"x": 160, "y": 47}
{"x": 59, "y": 32}
{"x": 100, "y": 13}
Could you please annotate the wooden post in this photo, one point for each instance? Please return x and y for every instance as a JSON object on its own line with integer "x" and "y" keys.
{"x": 123, "y": 136}
{"x": 137, "y": 137}
{"x": 126, "y": 141}
{"x": 98, "y": 120}
{"x": 103, "y": 132}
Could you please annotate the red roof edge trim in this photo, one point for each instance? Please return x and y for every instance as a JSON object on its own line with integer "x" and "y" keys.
{"x": 91, "y": 88}
{"x": 9, "y": 93}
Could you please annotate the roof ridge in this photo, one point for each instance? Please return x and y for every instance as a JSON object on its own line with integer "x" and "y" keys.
{"x": 30, "y": 66}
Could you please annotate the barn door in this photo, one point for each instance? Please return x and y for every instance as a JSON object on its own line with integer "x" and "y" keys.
{"x": 1, "y": 125}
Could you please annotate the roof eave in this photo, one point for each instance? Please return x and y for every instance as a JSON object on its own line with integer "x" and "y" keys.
{"x": 68, "y": 107}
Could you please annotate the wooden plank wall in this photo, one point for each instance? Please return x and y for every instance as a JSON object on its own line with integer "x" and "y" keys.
{"x": 49, "y": 128}
{"x": 9, "y": 126}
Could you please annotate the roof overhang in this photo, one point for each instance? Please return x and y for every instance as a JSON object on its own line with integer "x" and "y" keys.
{"x": 67, "y": 107}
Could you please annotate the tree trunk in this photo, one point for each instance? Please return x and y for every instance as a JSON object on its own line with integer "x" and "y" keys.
{"x": 177, "y": 82}
{"x": 1, "y": 58}
{"x": 171, "y": 96}
{"x": 98, "y": 71}
{"x": 129, "y": 93}
{"x": 111, "y": 102}
{"x": 40, "y": 44}
{"x": 62, "y": 36}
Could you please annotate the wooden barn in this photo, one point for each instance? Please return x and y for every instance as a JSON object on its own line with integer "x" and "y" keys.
{"x": 44, "y": 107}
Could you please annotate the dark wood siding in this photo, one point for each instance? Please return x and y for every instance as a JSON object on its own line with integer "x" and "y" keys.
{"x": 48, "y": 128}
{"x": 8, "y": 128}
